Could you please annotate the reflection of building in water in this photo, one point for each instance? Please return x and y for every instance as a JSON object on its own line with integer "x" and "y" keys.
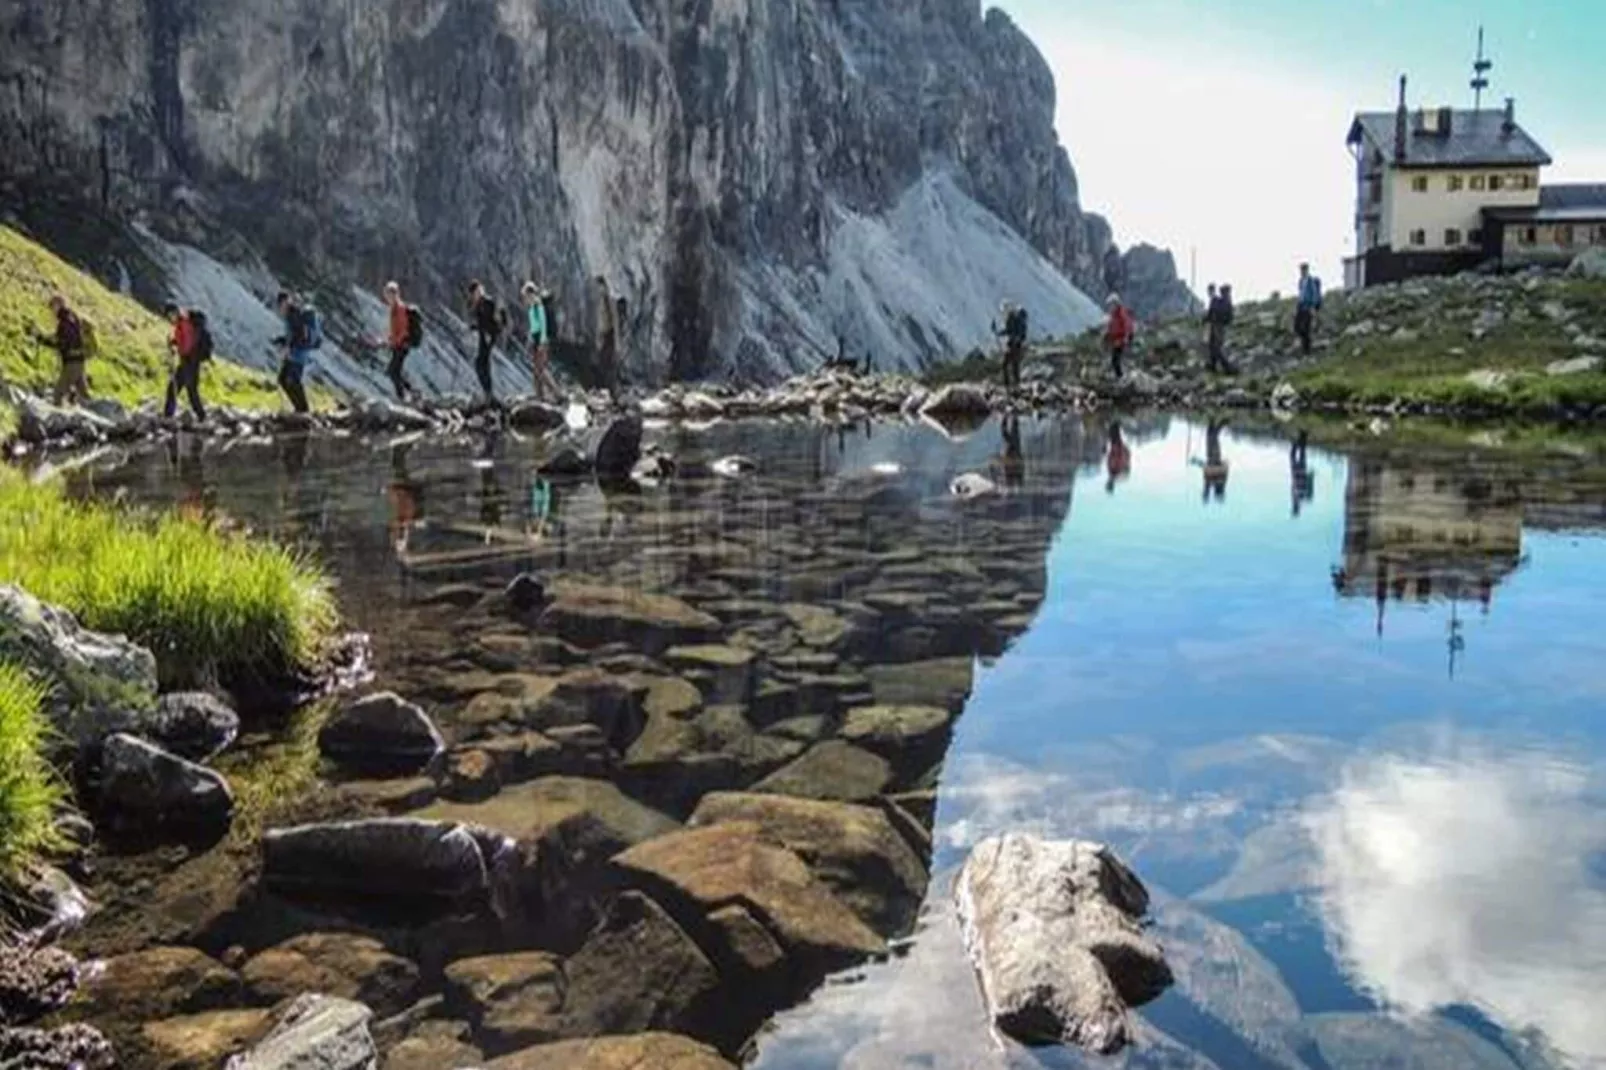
{"x": 1419, "y": 534}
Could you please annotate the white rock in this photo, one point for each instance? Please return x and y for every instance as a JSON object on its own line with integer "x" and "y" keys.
{"x": 1575, "y": 366}
{"x": 1488, "y": 378}
{"x": 315, "y": 1033}
{"x": 972, "y": 485}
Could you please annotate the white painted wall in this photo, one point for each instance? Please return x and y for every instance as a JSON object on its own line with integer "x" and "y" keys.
{"x": 1438, "y": 209}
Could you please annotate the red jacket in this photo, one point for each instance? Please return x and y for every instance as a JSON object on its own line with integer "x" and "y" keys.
{"x": 1119, "y": 332}
{"x": 183, "y": 338}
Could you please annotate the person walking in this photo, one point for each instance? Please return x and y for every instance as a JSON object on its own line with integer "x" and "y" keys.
{"x": 406, "y": 332}
{"x": 1307, "y": 306}
{"x": 73, "y": 341}
{"x": 1118, "y": 333}
{"x": 607, "y": 337}
{"x": 303, "y": 334}
{"x": 190, "y": 345}
{"x": 489, "y": 325}
{"x": 540, "y": 341}
{"x": 1014, "y": 334}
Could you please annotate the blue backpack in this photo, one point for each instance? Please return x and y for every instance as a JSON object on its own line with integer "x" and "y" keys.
{"x": 308, "y": 333}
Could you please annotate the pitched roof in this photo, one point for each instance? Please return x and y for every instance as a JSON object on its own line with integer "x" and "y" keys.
{"x": 1475, "y": 138}
{"x": 1573, "y": 195}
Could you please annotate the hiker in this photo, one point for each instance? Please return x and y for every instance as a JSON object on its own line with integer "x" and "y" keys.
{"x": 1218, "y": 318}
{"x": 191, "y": 346}
{"x": 303, "y": 333}
{"x": 489, "y": 324}
{"x": 1014, "y": 335}
{"x": 1118, "y": 335}
{"x": 540, "y": 343}
{"x": 406, "y": 334}
{"x": 1118, "y": 461}
{"x": 1308, "y": 304}
{"x": 74, "y": 343}
{"x": 607, "y": 337}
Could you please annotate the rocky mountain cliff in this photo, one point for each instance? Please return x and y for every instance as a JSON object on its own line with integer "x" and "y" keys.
{"x": 757, "y": 178}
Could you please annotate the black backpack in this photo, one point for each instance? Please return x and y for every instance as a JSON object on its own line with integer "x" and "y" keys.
{"x": 415, "y": 327}
{"x": 549, "y": 308}
{"x": 1015, "y": 326}
{"x": 204, "y": 348}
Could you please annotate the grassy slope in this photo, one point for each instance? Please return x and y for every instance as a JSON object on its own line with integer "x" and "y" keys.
{"x": 209, "y": 604}
{"x": 133, "y": 366}
{"x": 30, "y": 791}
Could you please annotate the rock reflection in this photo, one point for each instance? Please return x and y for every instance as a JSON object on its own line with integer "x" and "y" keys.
{"x": 1464, "y": 878}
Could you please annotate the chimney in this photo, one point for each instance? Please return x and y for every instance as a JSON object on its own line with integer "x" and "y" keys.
{"x": 1401, "y": 119}
{"x": 1509, "y": 126}
{"x": 1446, "y": 117}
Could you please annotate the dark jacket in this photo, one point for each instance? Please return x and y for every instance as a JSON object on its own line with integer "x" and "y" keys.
{"x": 487, "y": 318}
{"x": 1220, "y": 312}
{"x": 69, "y": 340}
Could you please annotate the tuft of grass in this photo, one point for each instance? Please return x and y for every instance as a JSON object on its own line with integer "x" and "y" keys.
{"x": 31, "y": 793}
{"x": 133, "y": 365}
{"x": 211, "y": 605}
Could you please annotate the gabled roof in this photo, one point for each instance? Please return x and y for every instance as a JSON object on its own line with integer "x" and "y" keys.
{"x": 1573, "y": 195}
{"x": 1476, "y": 138}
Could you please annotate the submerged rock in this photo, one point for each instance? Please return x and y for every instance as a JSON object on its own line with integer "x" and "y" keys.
{"x": 405, "y": 858}
{"x": 34, "y": 981}
{"x": 657, "y": 1051}
{"x": 566, "y": 463}
{"x": 336, "y": 964}
{"x": 161, "y": 982}
{"x": 315, "y": 1032}
{"x": 382, "y": 733}
{"x": 206, "y": 1039}
{"x": 145, "y": 790}
{"x": 99, "y": 684}
{"x": 1053, "y": 930}
{"x": 70, "y": 1047}
{"x": 537, "y": 416}
{"x": 592, "y": 616}
{"x": 619, "y": 449}
{"x": 192, "y": 724}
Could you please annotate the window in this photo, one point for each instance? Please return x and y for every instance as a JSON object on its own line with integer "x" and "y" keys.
{"x": 1564, "y": 235}
{"x": 1419, "y": 237}
{"x": 1454, "y": 182}
{"x": 1452, "y": 236}
{"x": 1475, "y": 237}
{"x": 1479, "y": 182}
{"x": 1600, "y": 234}
{"x": 1496, "y": 182}
{"x": 1419, "y": 184}
{"x": 1527, "y": 236}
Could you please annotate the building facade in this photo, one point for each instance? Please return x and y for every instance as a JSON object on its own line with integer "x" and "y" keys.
{"x": 1441, "y": 190}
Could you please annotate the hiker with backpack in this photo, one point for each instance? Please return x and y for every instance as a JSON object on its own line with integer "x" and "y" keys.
{"x": 1218, "y": 317}
{"x": 1308, "y": 304}
{"x": 1119, "y": 332}
{"x": 75, "y": 343}
{"x": 490, "y": 323}
{"x": 540, "y": 343}
{"x": 406, "y": 335}
{"x": 191, "y": 346}
{"x": 1014, "y": 334}
{"x": 607, "y": 337}
{"x": 303, "y": 335}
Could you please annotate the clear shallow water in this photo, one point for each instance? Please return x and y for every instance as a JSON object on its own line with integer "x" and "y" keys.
{"x": 1374, "y": 825}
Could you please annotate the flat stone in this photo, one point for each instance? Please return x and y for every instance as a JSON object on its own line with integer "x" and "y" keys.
{"x": 904, "y": 735}
{"x": 594, "y": 697}
{"x": 854, "y": 850}
{"x": 1575, "y": 366}
{"x": 336, "y": 964}
{"x": 645, "y": 1051}
{"x": 733, "y": 863}
{"x": 817, "y": 626}
{"x": 203, "y": 1041}
{"x": 420, "y": 860}
{"x": 512, "y": 1000}
{"x": 390, "y": 796}
{"x": 160, "y": 982}
{"x": 315, "y": 1032}
{"x": 831, "y": 770}
{"x": 943, "y": 682}
{"x": 591, "y": 616}
{"x": 435, "y": 1045}
{"x": 729, "y": 671}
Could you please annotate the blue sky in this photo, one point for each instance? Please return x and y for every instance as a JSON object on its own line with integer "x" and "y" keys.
{"x": 1218, "y": 125}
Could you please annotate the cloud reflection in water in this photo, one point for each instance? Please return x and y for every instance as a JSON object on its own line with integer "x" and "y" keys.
{"x": 1465, "y": 877}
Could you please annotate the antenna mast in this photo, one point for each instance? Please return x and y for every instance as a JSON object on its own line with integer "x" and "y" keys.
{"x": 1480, "y": 74}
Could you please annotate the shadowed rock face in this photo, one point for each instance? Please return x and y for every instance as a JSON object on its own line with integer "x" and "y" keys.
{"x": 732, "y": 169}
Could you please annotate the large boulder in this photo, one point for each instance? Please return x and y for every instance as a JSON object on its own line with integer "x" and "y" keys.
{"x": 619, "y": 449}
{"x": 405, "y": 858}
{"x": 203, "y": 1040}
{"x": 146, "y": 791}
{"x": 592, "y": 616}
{"x": 853, "y": 850}
{"x": 39, "y": 422}
{"x": 160, "y": 982}
{"x": 383, "y": 414}
{"x": 535, "y": 416}
{"x": 1590, "y": 264}
{"x": 592, "y": 697}
{"x": 698, "y": 872}
{"x": 943, "y": 682}
{"x": 657, "y": 1051}
{"x": 98, "y": 684}
{"x": 1054, "y": 930}
{"x": 831, "y": 770}
{"x": 382, "y": 733}
{"x": 957, "y": 399}
{"x": 637, "y": 971}
{"x": 912, "y": 738}
{"x": 192, "y": 724}
{"x": 315, "y": 1032}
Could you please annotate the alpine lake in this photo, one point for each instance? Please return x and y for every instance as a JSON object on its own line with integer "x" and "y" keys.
{"x": 1336, "y": 699}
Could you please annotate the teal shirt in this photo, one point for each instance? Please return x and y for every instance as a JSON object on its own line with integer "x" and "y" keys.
{"x": 538, "y": 324}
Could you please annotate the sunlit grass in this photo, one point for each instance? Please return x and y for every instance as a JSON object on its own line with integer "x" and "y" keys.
{"x": 211, "y": 605}
{"x": 30, "y": 790}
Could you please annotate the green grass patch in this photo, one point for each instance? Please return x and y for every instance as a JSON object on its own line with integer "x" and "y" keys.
{"x": 212, "y": 605}
{"x": 133, "y": 365}
{"x": 30, "y": 790}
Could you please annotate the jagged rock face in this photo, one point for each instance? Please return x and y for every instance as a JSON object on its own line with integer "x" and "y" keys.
{"x": 707, "y": 158}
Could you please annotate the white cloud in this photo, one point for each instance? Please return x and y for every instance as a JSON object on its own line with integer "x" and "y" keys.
{"x": 1465, "y": 878}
